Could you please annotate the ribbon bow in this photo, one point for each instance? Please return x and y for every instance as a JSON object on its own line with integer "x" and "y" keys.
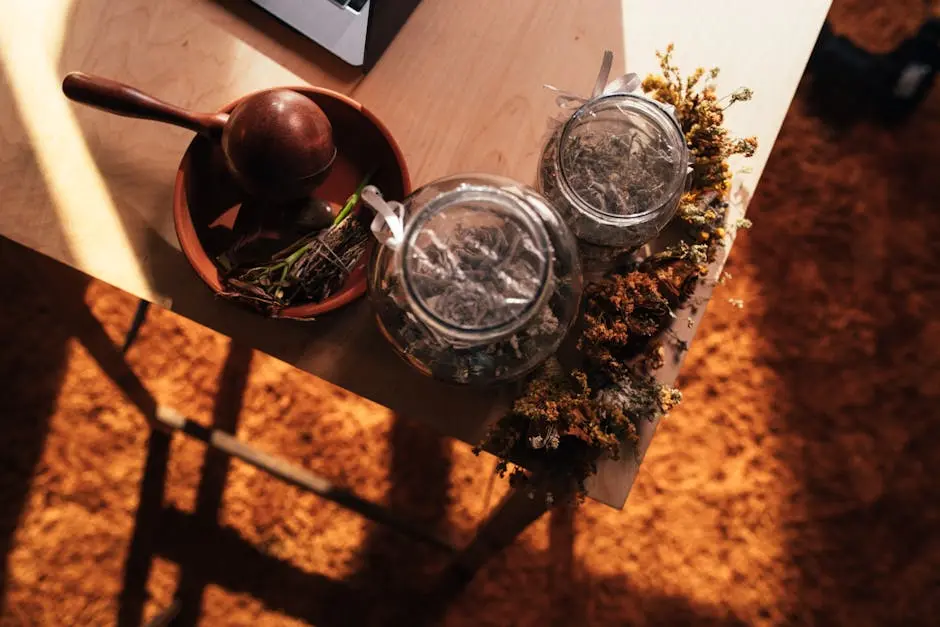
{"x": 388, "y": 225}
{"x": 624, "y": 84}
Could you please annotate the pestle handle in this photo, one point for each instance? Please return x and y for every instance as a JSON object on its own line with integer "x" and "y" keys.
{"x": 127, "y": 101}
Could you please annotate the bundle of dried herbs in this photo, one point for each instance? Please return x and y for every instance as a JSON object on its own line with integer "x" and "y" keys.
{"x": 558, "y": 418}
{"x": 621, "y": 315}
{"x": 565, "y": 422}
{"x": 309, "y": 270}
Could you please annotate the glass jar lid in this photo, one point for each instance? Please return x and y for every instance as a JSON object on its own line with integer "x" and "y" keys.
{"x": 622, "y": 157}
{"x": 476, "y": 263}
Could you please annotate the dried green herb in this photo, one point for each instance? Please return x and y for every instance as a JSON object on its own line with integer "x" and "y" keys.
{"x": 309, "y": 270}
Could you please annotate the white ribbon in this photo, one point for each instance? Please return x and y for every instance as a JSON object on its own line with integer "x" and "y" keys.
{"x": 625, "y": 84}
{"x": 628, "y": 83}
{"x": 388, "y": 225}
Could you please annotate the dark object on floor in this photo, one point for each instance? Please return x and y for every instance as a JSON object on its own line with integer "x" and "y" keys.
{"x": 850, "y": 82}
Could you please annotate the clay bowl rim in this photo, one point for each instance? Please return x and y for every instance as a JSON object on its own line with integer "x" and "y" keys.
{"x": 204, "y": 266}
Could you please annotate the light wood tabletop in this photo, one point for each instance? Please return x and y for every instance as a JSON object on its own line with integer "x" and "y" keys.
{"x": 461, "y": 89}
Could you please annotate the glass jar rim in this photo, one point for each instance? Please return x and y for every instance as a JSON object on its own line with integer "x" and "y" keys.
{"x": 462, "y": 195}
{"x": 653, "y": 111}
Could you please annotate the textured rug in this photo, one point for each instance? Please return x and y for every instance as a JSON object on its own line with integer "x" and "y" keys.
{"x": 797, "y": 484}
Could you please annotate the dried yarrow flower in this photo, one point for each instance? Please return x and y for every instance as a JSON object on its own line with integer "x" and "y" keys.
{"x": 701, "y": 116}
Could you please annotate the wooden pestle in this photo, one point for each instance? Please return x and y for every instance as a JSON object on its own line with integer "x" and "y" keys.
{"x": 277, "y": 143}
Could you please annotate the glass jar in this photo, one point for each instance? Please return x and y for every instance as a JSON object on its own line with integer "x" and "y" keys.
{"x": 477, "y": 279}
{"x": 616, "y": 170}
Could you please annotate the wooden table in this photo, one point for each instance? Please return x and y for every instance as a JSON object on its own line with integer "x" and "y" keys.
{"x": 461, "y": 88}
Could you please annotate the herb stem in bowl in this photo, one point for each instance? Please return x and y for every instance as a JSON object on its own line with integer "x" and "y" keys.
{"x": 353, "y": 199}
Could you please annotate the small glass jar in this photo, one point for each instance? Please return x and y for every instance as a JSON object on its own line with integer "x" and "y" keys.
{"x": 482, "y": 282}
{"x": 616, "y": 170}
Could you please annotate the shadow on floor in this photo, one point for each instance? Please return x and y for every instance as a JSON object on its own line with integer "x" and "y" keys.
{"x": 215, "y": 469}
{"x": 391, "y": 568}
{"x": 386, "y": 588}
{"x": 148, "y": 520}
{"x": 31, "y": 369}
{"x": 845, "y": 243}
{"x": 205, "y": 552}
{"x": 208, "y": 553}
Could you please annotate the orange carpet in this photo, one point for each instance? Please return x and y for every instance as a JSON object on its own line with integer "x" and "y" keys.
{"x": 796, "y": 484}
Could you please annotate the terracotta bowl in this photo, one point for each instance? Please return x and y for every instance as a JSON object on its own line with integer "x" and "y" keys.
{"x": 206, "y": 198}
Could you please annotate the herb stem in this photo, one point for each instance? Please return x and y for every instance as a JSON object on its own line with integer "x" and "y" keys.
{"x": 353, "y": 199}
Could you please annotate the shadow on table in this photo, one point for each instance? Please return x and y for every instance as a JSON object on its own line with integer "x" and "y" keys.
{"x": 136, "y": 157}
{"x": 854, "y": 221}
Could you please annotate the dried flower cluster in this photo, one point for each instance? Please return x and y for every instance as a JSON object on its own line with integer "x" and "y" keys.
{"x": 568, "y": 421}
{"x": 621, "y": 314}
{"x": 558, "y": 417}
{"x": 701, "y": 114}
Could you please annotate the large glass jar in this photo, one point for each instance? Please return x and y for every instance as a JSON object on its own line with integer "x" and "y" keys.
{"x": 616, "y": 170}
{"x": 478, "y": 283}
